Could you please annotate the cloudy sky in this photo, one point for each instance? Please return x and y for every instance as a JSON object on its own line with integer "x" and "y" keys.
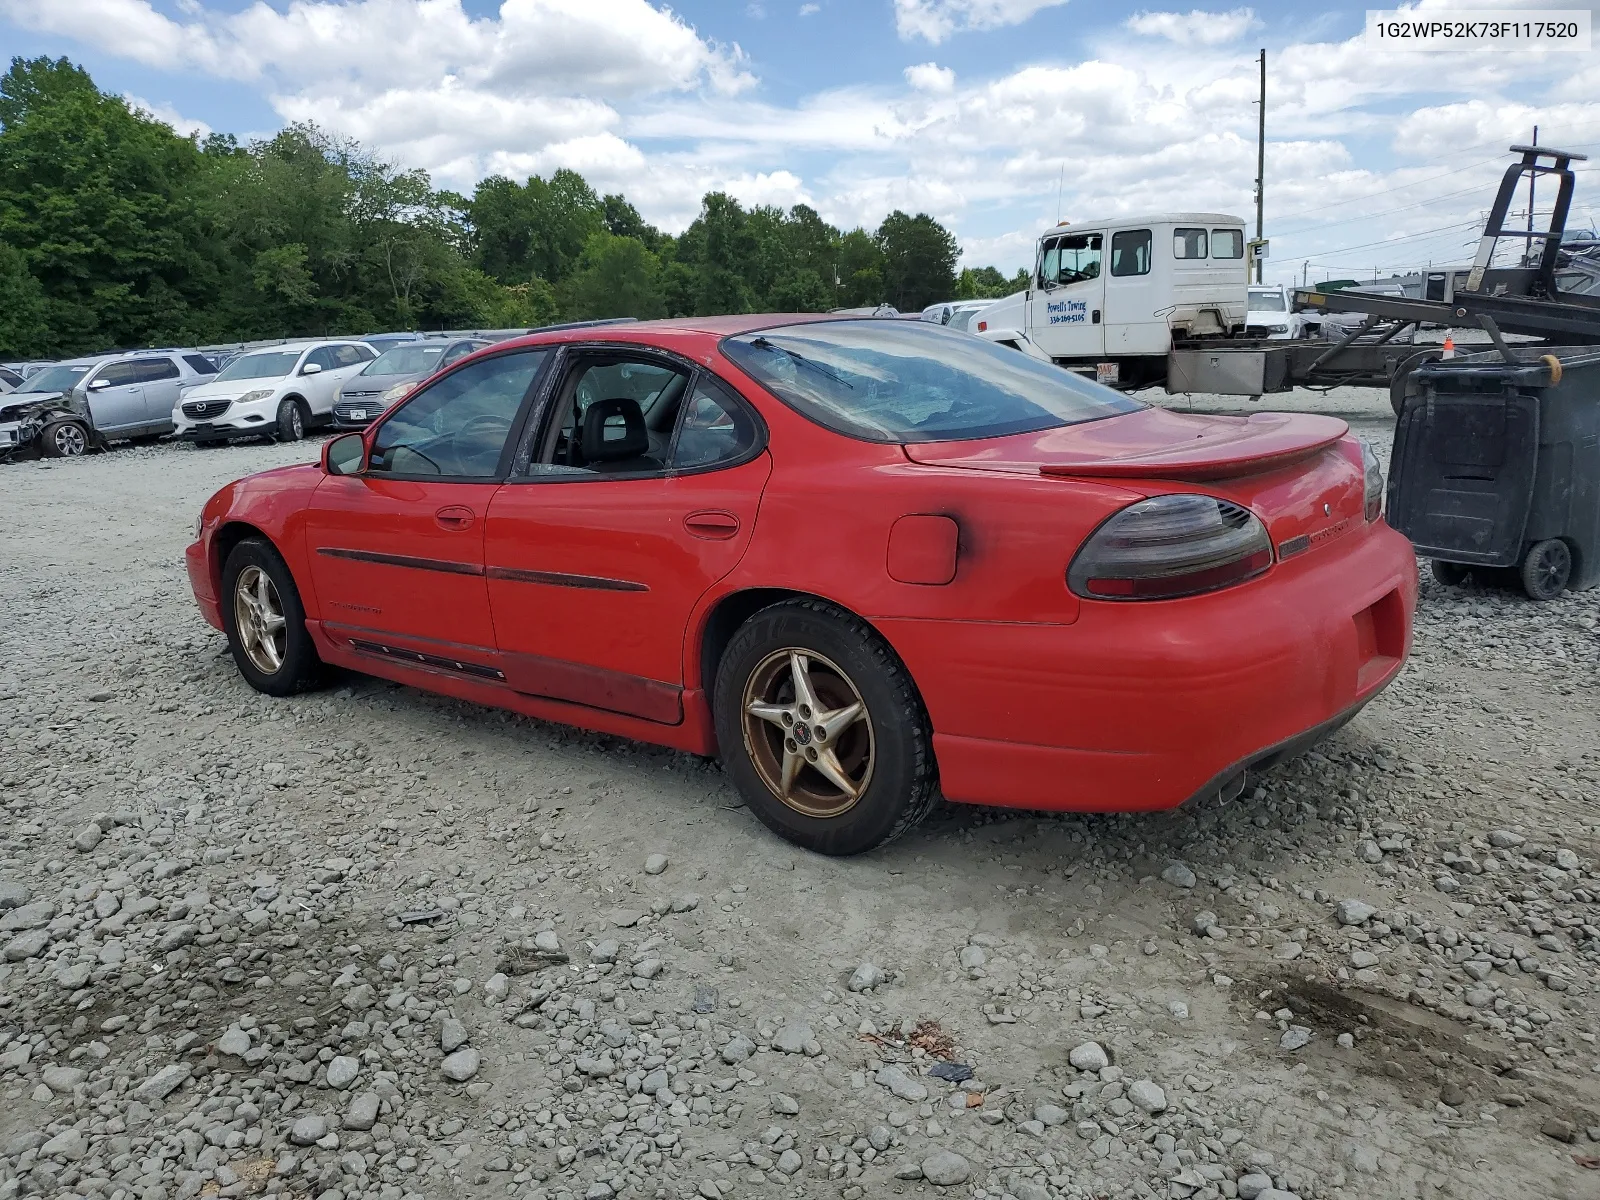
{"x": 994, "y": 115}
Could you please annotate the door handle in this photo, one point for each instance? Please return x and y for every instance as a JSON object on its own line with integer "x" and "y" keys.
{"x": 712, "y": 524}
{"x": 454, "y": 517}
{"x": 1097, "y": 316}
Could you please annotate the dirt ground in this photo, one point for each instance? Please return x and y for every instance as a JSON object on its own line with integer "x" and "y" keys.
{"x": 373, "y": 943}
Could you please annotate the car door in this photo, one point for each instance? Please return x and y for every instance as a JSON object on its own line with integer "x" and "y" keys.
{"x": 318, "y": 386}
{"x": 396, "y": 550}
{"x": 116, "y": 398}
{"x": 1133, "y": 300}
{"x": 595, "y": 562}
{"x": 159, "y": 377}
{"x": 1065, "y": 311}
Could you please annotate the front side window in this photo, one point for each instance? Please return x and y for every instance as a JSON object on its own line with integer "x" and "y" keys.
{"x": 118, "y": 374}
{"x": 911, "y": 381}
{"x": 714, "y": 428}
{"x": 459, "y": 351}
{"x": 1130, "y": 252}
{"x": 458, "y": 426}
{"x": 1188, "y": 243}
{"x": 322, "y": 356}
{"x": 200, "y": 364}
{"x": 1072, "y": 260}
{"x": 271, "y": 365}
{"x": 1227, "y": 243}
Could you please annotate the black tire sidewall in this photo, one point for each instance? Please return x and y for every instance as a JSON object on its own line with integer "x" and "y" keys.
{"x": 1532, "y": 582}
{"x": 300, "y": 660}
{"x": 286, "y": 414}
{"x": 903, "y": 773}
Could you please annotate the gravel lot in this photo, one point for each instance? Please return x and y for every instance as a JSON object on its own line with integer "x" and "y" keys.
{"x": 371, "y": 943}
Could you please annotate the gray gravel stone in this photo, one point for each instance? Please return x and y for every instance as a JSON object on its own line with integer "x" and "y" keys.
{"x": 452, "y": 1035}
{"x": 866, "y": 976}
{"x": 1295, "y": 1037}
{"x": 737, "y": 1049}
{"x": 342, "y": 1071}
{"x": 789, "y": 1162}
{"x": 235, "y": 1043}
{"x": 655, "y": 864}
{"x": 13, "y": 894}
{"x": 902, "y": 1085}
{"x": 308, "y": 1130}
{"x": 785, "y": 1104}
{"x": 164, "y": 1082}
{"x": 792, "y": 1038}
{"x": 1354, "y": 912}
{"x": 946, "y": 1168}
{"x": 460, "y": 1066}
{"x": 362, "y": 1114}
{"x": 87, "y": 838}
{"x": 1147, "y": 1097}
{"x": 1090, "y": 1056}
{"x": 1179, "y": 875}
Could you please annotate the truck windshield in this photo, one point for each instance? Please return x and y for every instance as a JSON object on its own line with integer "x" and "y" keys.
{"x": 911, "y": 381}
{"x": 56, "y": 379}
{"x": 1266, "y": 301}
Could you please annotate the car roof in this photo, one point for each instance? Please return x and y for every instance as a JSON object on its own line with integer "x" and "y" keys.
{"x": 285, "y": 347}
{"x": 656, "y": 333}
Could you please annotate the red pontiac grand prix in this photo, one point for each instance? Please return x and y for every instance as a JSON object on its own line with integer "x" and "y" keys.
{"x": 864, "y": 561}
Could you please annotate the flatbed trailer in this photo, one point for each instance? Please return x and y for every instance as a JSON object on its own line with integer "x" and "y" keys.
{"x": 1523, "y": 301}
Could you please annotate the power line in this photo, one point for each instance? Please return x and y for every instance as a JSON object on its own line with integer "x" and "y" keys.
{"x": 1380, "y": 213}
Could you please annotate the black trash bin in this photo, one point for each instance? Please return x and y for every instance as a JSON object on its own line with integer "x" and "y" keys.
{"x": 1497, "y": 464}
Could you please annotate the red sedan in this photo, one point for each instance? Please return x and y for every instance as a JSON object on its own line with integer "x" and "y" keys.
{"x": 866, "y": 562}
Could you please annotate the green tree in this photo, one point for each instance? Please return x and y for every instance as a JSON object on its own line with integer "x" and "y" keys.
{"x": 860, "y": 270}
{"x": 24, "y": 332}
{"x": 615, "y": 277}
{"x": 919, "y": 260}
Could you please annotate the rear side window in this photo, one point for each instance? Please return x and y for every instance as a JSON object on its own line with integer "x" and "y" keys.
{"x": 349, "y": 356}
{"x": 1130, "y": 252}
{"x": 1188, "y": 243}
{"x": 714, "y": 428}
{"x": 152, "y": 370}
{"x": 1227, "y": 243}
{"x": 200, "y": 364}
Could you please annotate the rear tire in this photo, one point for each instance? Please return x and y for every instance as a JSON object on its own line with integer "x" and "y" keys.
{"x": 1547, "y": 569}
{"x": 65, "y": 439}
{"x": 1448, "y": 573}
{"x": 291, "y": 421}
{"x": 265, "y": 621}
{"x": 1402, "y": 375}
{"x": 884, "y": 752}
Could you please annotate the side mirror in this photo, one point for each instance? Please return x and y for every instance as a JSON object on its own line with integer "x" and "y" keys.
{"x": 344, "y": 455}
{"x": 96, "y": 385}
{"x": 311, "y": 369}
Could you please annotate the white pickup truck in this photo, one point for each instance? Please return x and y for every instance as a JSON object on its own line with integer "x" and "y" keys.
{"x": 1109, "y": 298}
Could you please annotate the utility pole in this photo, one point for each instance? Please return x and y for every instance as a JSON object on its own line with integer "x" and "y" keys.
{"x": 1261, "y": 154}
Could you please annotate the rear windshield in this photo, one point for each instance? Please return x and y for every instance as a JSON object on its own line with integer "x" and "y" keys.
{"x": 260, "y": 366}
{"x": 911, "y": 381}
{"x": 411, "y": 359}
{"x": 1266, "y": 301}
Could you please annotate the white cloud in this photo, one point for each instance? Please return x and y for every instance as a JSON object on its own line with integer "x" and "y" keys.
{"x": 810, "y": 10}
{"x": 1206, "y": 28}
{"x": 931, "y": 77}
{"x": 936, "y": 20}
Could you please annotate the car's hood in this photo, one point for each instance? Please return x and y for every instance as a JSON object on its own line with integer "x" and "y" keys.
{"x": 230, "y": 388}
{"x": 1266, "y": 316}
{"x": 14, "y": 404}
{"x": 1153, "y": 443}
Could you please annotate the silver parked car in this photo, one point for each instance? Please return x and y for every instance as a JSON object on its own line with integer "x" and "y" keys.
{"x": 393, "y": 374}
{"x": 71, "y": 407}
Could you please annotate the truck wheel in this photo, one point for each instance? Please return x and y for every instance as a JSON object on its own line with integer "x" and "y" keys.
{"x": 291, "y": 422}
{"x": 65, "y": 439}
{"x": 1547, "y": 569}
{"x": 1402, "y": 376}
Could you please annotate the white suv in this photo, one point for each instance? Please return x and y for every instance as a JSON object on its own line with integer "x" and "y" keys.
{"x": 279, "y": 391}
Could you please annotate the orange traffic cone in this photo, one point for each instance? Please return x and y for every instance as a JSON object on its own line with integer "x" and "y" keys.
{"x": 1449, "y": 347}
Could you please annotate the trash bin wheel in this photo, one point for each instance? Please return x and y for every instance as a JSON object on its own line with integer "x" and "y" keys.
{"x": 1449, "y": 573}
{"x": 1546, "y": 569}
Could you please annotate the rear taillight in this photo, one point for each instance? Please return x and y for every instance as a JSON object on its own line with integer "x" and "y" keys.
{"x": 983, "y": 327}
{"x": 1170, "y": 546}
{"x": 1372, "y": 471}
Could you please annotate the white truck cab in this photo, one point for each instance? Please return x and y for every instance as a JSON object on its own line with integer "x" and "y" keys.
{"x": 1110, "y": 297}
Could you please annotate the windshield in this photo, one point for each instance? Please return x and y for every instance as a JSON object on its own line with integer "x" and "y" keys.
{"x": 911, "y": 381}
{"x": 56, "y": 379}
{"x": 259, "y": 366}
{"x": 405, "y": 360}
{"x": 1265, "y": 301}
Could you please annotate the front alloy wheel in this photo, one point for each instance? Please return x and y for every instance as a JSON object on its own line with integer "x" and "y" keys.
{"x": 258, "y": 615}
{"x": 808, "y": 732}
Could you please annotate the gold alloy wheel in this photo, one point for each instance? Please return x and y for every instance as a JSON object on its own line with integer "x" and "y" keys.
{"x": 808, "y": 732}
{"x": 258, "y": 616}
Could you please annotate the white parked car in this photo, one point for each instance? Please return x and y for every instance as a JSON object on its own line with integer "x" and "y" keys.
{"x": 957, "y": 314}
{"x": 1271, "y": 314}
{"x": 279, "y": 392}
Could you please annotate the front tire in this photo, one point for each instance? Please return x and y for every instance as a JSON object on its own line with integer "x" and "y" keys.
{"x": 65, "y": 439}
{"x": 291, "y": 421}
{"x": 823, "y": 730}
{"x": 265, "y": 621}
{"x": 1448, "y": 573}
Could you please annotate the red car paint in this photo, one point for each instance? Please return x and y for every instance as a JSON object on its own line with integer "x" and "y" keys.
{"x": 594, "y": 604}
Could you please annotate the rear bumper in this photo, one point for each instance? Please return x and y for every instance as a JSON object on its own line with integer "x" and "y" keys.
{"x": 1144, "y": 706}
